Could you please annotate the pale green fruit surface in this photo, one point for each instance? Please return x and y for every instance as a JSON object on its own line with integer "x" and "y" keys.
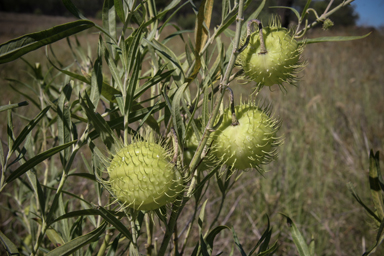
{"x": 250, "y": 144}
{"x": 281, "y": 62}
{"x": 142, "y": 177}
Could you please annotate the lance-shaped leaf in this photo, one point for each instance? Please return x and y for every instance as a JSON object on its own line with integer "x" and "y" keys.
{"x": 297, "y": 237}
{"x": 27, "y": 129}
{"x": 15, "y": 48}
{"x": 379, "y": 239}
{"x": 375, "y": 183}
{"x": 8, "y": 245}
{"x": 11, "y": 106}
{"x": 78, "y": 242}
{"x": 36, "y": 160}
{"x": 332, "y": 39}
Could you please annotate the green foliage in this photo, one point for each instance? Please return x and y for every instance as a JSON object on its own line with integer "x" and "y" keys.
{"x": 136, "y": 82}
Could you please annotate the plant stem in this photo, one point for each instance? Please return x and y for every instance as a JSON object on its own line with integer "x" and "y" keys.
{"x": 223, "y": 84}
{"x": 149, "y": 226}
{"x": 324, "y": 16}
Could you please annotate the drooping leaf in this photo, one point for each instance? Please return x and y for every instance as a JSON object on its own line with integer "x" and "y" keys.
{"x": 331, "y": 39}
{"x": 15, "y": 48}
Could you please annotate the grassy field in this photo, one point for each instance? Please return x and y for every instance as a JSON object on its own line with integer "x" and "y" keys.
{"x": 331, "y": 120}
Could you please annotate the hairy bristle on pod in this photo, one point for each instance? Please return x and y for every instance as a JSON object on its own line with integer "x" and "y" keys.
{"x": 279, "y": 64}
{"x": 251, "y": 143}
{"x": 142, "y": 176}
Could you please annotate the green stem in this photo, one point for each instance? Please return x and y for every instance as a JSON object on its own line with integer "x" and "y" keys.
{"x": 223, "y": 84}
{"x": 104, "y": 246}
{"x": 149, "y": 226}
{"x": 176, "y": 209}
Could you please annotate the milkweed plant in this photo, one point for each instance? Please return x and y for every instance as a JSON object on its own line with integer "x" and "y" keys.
{"x": 151, "y": 128}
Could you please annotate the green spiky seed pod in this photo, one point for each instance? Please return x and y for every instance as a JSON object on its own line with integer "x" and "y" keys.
{"x": 278, "y": 63}
{"x": 190, "y": 147}
{"x": 142, "y": 177}
{"x": 250, "y": 144}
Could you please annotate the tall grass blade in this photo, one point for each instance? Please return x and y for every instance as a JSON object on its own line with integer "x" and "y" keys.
{"x": 78, "y": 242}
{"x": 15, "y": 48}
{"x": 36, "y": 160}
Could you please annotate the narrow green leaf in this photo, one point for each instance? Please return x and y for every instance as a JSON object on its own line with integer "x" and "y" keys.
{"x": 211, "y": 236}
{"x": 170, "y": 6}
{"x": 177, "y": 115}
{"x": 169, "y": 56}
{"x": 15, "y": 48}
{"x": 332, "y": 39}
{"x": 97, "y": 76}
{"x": 151, "y": 82}
{"x": 88, "y": 176}
{"x": 40, "y": 195}
{"x": 133, "y": 81}
{"x": 379, "y": 239}
{"x": 27, "y": 129}
{"x": 115, "y": 222}
{"x": 64, "y": 123}
{"x": 106, "y": 133}
{"x": 297, "y": 237}
{"x": 238, "y": 244}
{"x": 78, "y": 242}
{"x": 10, "y": 133}
{"x": 113, "y": 248}
{"x": 12, "y": 106}
{"x": 254, "y": 15}
{"x": 289, "y": 8}
{"x": 109, "y": 18}
{"x": 304, "y": 12}
{"x": 54, "y": 237}
{"x": 73, "y": 9}
{"x": 374, "y": 183}
{"x": 8, "y": 245}
{"x": 26, "y": 95}
{"x": 202, "y": 217}
{"x": 369, "y": 211}
{"x": 120, "y": 10}
{"x": 36, "y": 160}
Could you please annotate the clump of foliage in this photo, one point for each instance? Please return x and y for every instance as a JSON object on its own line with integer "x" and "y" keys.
{"x": 136, "y": 123}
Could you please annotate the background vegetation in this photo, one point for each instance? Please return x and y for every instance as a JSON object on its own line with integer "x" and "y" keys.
{"x": 330, "y": 122}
